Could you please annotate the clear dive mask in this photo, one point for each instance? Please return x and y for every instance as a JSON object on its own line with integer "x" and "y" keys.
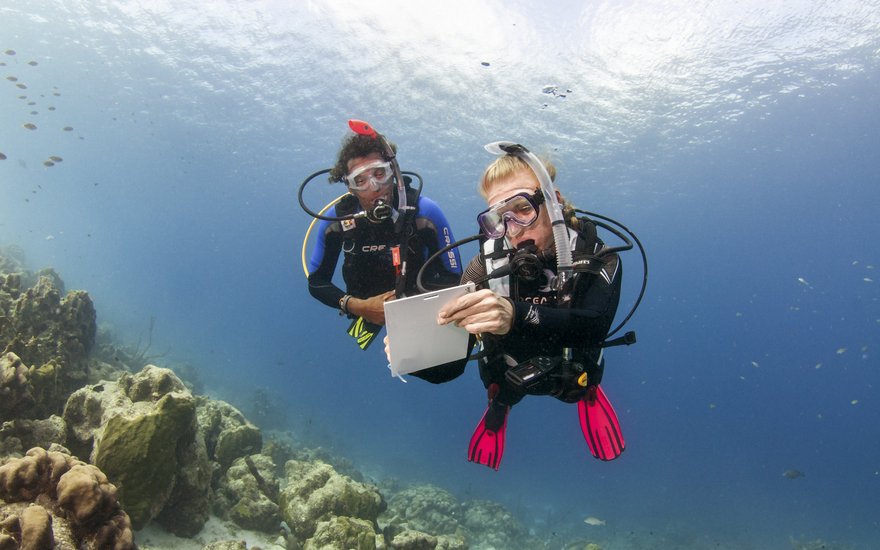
{"x": 371, "y": 176}
{"x": 521, "y": 209}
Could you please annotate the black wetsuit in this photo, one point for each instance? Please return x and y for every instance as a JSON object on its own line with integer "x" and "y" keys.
{"x": 540, "y": 328}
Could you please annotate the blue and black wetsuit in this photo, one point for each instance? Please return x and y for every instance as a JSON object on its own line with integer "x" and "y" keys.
{"x": 367, "y": 267}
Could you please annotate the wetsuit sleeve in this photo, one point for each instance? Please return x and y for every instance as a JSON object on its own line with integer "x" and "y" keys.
{"x": 586, "y": 323}
{"x": 322, "y": 264}
{"x": 437, "y": 233}
{"x": 444, "y": 373}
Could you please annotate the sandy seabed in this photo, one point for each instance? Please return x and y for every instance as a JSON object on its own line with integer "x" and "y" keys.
{"x": 153, "y": 537}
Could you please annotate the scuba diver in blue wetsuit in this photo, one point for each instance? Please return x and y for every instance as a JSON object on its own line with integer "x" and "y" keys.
{"x": 383, "y": 228}
{"x": 549, "y": 294}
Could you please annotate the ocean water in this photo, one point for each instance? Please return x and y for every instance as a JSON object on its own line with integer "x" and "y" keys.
{"x": 739, "y": 140}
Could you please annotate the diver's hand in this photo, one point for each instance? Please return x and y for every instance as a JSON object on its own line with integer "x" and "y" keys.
{"x": 481, "y": 311}
{"x": 387, "y": 349}
{"x": 371, "y": 309}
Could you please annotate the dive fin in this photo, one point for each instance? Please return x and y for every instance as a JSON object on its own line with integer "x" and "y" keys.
{"x": 600, "y": 426}
{"x": 487, "y": 443}
{"x": 363, "y": 331}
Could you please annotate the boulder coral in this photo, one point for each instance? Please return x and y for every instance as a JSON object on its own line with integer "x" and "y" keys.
{"x": 141, "y": 430}
{"x": 85, "y": 502}
{"x": 248, "y": 494}
{"x": 345, "y": 532}
{"x": 227, "y": 433}
{"x": 16, "y": 391}
{"x": 315, "y": 493}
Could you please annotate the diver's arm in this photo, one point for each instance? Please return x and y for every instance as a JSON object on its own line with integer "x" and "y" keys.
{"x": 322, "y": 265}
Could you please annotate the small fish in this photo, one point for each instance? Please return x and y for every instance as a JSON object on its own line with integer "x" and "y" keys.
{"x": 485, "y": 63}
{"x": 51, "y": 108}
{"x": 48, "y": 163}
{"x": 30, "y": 126}
{"x": 9, "y": 52}
{"x": 854, "y": 402}
{"x": 12, "y": 79}
{"x": 868, "y": 280}
{"x": 50, "y": 237}
{"x": 55, "y": 158}
{"x": 2, "y": 156}
{"x": 792, "y": 474}
{"x": 594, "y": 521}
{"x": 841, "y": 351}
{"x": 33, "y": 63}
{"x": 803, "y": 281}
{"x": 68, "y": 128}
{"x": 22, "y": 86}
{"x": 755, "y": 364}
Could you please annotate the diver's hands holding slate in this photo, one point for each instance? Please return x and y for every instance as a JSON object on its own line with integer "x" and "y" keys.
{"x": 478, "y": 312}
{"x": 371, "y": 309}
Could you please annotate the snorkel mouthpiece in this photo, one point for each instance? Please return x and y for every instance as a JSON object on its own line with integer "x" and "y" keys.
{"x": 554, "y": 209}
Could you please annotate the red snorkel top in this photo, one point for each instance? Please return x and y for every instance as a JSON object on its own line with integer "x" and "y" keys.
{"x": 362, "y": 128}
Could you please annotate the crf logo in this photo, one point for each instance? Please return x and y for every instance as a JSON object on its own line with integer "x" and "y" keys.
{"x": 373, "y": 248}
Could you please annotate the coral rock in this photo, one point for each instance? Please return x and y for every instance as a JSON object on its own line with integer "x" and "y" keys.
{"x": 90, "y": 514}
{"x": 315, "y": 492}
{"x": 228, "y": 434}
{"x": 141, "y": 431}
{"x": 36, "y": 529}
{"x": 345, "y": 532}
{"x": 16, "y": 391}
{"x": 249, "y": 490}
{"x": 16, "y": 436}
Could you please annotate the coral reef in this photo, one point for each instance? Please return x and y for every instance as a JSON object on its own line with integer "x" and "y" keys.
{"x": 53, "y": 334}
{"x": 227, "y": 433}
{"x": 174, "y": 457}
{"x": 248, "y": 493}
{"x": 70, "y": 500}
{"x": 17, "y": 435}
{"x": 44, "y": 329}
{"x": 142, "y": 431}
{"x": 16, "y": 391}
{"x": 345, "y": 532}
{"x": 316, "y": 493}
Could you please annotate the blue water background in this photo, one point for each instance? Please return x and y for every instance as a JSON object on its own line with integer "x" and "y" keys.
{"x": 739, "y": 140}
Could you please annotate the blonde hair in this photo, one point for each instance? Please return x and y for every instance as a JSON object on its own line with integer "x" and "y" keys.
{"x": 508, "y": 165}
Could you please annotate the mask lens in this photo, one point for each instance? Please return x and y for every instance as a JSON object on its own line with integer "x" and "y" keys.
{"x": 518, "y": 209}
{"x": 372, "y": 175}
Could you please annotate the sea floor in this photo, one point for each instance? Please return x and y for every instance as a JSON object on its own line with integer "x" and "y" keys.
{"x": 153, "y": 537}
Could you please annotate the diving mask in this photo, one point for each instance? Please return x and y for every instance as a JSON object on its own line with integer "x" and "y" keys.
{"x": 373, "y": 175}
{"x": 521, "y": 209}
